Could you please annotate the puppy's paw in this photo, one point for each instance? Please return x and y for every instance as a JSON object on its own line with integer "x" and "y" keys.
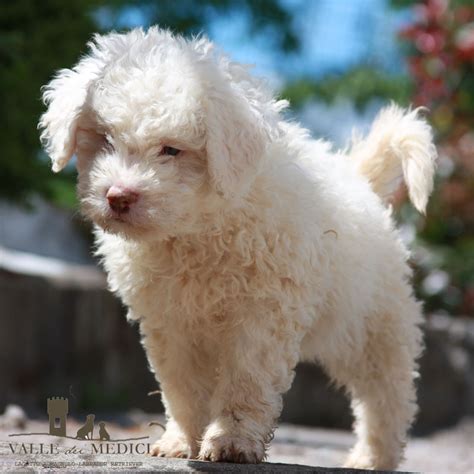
{"x": 356, "y": 461}
{"x": 232, "y": 449}
{"x": 360, "y": 459}
{"x": 171, "y": 447}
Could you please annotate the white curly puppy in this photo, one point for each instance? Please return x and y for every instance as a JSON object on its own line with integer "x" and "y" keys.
{"x": 241, "y": 245}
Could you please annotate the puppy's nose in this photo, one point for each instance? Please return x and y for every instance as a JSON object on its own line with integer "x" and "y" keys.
{"x": 120, "y": 198}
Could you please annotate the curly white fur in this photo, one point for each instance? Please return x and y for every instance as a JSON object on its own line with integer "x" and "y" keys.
{"x": 399, "y": 144}
{"x": 254, "y": 248}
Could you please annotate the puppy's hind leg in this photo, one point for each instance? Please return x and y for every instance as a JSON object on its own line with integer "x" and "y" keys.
{"x": 381, "y": 385}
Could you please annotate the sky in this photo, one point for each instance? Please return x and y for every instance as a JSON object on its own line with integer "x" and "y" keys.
{"x": 335, "y": 35}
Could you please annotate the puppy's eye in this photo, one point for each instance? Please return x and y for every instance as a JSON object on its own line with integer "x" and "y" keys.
{"x": 108, "y": 145}
{"x": 170, "y": 151}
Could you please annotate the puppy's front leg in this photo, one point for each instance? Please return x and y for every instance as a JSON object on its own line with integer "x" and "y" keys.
{"x": 257, "y": 359}
{"x": 185, "y": 393}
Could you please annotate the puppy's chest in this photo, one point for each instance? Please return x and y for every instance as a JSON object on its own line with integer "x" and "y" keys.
{"x": 204, "y": 280}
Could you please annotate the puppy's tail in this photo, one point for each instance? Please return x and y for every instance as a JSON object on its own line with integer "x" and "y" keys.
{"x": 399, "y": 144}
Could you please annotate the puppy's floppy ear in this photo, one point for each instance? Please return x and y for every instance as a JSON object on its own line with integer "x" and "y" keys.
{"x": 65, "y": 96}
{"x": 239, "y": 128}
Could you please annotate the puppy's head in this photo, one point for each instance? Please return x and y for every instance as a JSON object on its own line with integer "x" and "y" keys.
{"x": 167, "y": 133}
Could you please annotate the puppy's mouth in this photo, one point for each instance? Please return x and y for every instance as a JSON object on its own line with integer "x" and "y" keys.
{"x": 119, "y": 218}
{"x": 114, "y": 222}
{"x": 121, "y": 225}
{"x": 135, "y": 224}
{"x": 122, "y": 221}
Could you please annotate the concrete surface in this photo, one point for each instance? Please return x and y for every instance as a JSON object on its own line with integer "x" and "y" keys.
{"x": 294, "y": 449}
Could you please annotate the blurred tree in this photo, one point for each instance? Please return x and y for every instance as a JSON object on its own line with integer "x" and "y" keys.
{"x": 361, "y": 85}
{"x": 36, "y": 38}
{"x": 440, "y": 53}
{"x": 39, "y": 37}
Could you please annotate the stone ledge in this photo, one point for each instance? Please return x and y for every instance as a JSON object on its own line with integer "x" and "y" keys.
{"x": 104, "y": 463}
{"x": 294, "y": 449}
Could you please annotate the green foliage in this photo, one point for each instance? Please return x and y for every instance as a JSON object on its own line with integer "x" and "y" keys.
{"x": 403, "y": 3}
{"x": 36, "y": 38}
{"x": 360, "y": 85}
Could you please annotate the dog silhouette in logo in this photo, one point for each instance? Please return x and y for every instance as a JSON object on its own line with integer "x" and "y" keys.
{"x": 103, "y": 433}
{"x": 86, "y": 431}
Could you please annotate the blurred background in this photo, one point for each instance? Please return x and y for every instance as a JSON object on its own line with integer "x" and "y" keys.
{"x": 338, "y": 62}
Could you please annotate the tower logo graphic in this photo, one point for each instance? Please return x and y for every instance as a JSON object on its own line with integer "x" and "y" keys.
{"x": 58, "y": 409}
